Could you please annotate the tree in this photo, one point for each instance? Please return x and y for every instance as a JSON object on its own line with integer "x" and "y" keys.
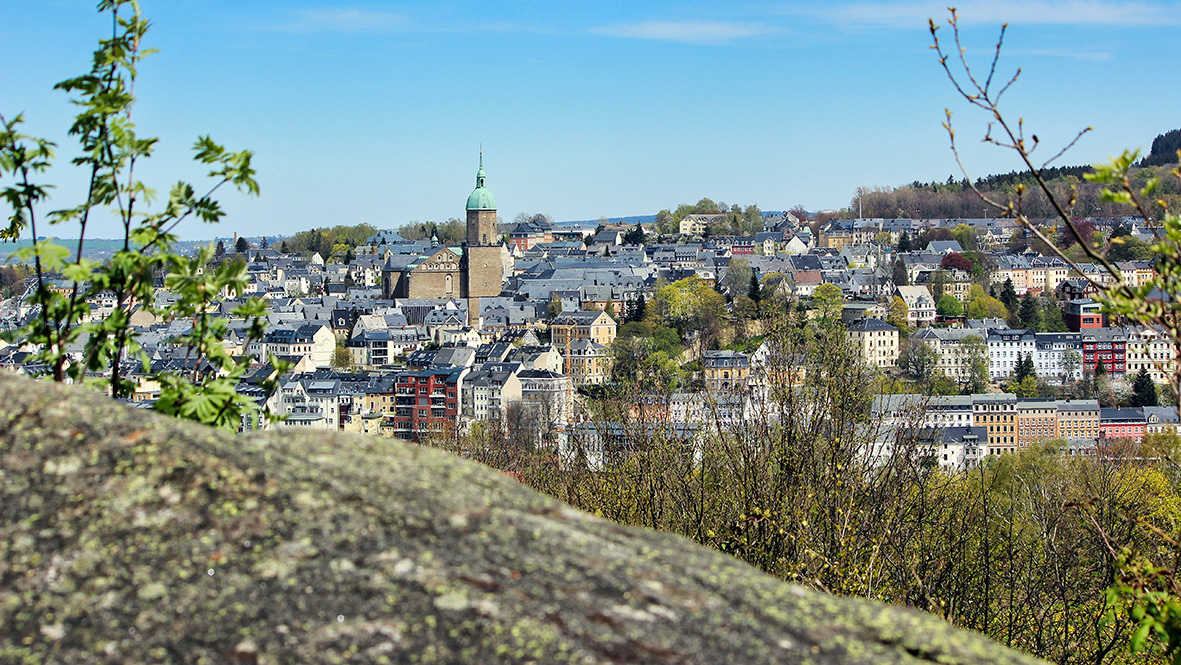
{"x": 1025, "y": 388}
{"x": 113, "y": 155}
{"x": 938, "y": 284}
{"x": 1025, "y": 368}
{"x": 949, "y": 306}
{"x": 983, "y": 306}
{"x": 918, "y": 360}
{"x": 1052, "y": 320}
{"x": 283, "y": 247}
{"x": 899, "y": 315}
{"x": 904, "y": 244}
{"x": 976, "y": 350}
{"x": 639, "y": 307}
{"x": 829, "y": 300}
{"x": 554, "y": 309}
{"x": 737, "y": 276}
{"x": 753, "y": 291}
{"x": 1008, "y": 295}
{"x": 1143, "y": 389}
{"x": 242, "y": 246}
{"x": 341, "y": 358}
{"x": 264, "y": 243}
{"x": 220, "y": 250}
{"x": 689, "y": 304}
{"x": 956, "y": 261}
{"x": 900, "y": 276}
{"x": 1069, "y": 364}
{"x": 634, "y": 236}
{"x": 1030, "y": 315}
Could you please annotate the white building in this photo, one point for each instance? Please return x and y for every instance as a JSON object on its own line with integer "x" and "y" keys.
{"x": 1006, "y": 347}
{"x": 1051, "y": 359}
{"x": 919, "y": 304}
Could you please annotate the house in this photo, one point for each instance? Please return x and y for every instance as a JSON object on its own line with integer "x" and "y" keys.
{"x": 1129, "y": 423}
{"x": 877, "y": 341}
{"x": 587, "y": 362}
{"x": 1007, "y": 348}
{"x": 724, "y": 370}
{"x": 695, "y": 225}
{"x": 426, "y": 401}
{"x": 488, "y": 391}
{"x": 595, "y": 326}
{"x": 919, "y": 304}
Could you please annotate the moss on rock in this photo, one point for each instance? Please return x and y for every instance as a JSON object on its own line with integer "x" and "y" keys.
{"x": 130, "y": 538}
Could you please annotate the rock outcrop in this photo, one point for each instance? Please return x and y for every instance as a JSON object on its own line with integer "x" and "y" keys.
{"x": 130, "y": 538}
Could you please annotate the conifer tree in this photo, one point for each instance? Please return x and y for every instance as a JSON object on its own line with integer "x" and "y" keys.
{"x": 1029, "y": 315}
{"x": 1143, "y": 389}
{"x": 1008, "y": 295}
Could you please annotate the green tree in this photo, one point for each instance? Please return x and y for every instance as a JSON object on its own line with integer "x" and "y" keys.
{"x": 918, "y": 360}
{"x": 220, "y": 250}
{"x": 635, "y": 236}
{"x": 1025, "y": 368}
{"x": 900, "y": 277}
{"x": 113, "y": 155}
{"x": 983, "y": 306}
{"x": 1052, "y": 320}
{"x": 1143, "y": 389}
{"x": 904, "y": 244}
{"x": 1008, "y": 296}
{"x": 938, "y": 284}
{"x": 689, "y": 304}
{"x": 242, "y": 246}
{"x": 1029, "y": 315}
{"x": 899, "y": 315}
{"x": 341, "y": 358}
{"x": 829, "y": 300}
{"x": 949, "y": 306}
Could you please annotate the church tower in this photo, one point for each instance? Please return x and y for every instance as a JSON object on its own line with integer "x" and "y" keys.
{"x": 483, "y": 273}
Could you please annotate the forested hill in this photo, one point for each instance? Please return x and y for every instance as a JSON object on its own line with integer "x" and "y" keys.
{"x": 955, "y": 198}
{"x": 1164, "y": 149}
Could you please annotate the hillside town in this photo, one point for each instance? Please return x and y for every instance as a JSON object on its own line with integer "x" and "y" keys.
{"x": 1001, "y": 345}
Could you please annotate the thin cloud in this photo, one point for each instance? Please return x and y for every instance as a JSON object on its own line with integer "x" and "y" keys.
{"x": 346, "y": 20}
{"x": 1071, "y": 12}
{"x": 689, "y": 32}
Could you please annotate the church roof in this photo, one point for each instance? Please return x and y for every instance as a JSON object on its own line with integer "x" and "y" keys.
{"x": 481, "y": 198}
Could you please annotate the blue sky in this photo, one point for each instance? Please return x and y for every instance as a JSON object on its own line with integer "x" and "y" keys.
{"x": 375, "y": 111}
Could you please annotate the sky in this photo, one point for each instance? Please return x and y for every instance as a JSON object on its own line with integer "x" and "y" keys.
{"x": 377, "y": 111}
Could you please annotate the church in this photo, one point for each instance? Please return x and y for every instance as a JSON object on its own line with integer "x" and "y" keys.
{"x": 472, "y": 271}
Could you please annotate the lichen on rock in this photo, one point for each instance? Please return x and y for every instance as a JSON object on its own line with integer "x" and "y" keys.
{"x": 130, "y": 538}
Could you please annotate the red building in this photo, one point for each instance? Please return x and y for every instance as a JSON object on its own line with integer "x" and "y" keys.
{"x": 1106, "y": 345}
{"x": 426, "y": 401}
{"x": 1122, "y": 424}
{"x": 1082, "y": 314}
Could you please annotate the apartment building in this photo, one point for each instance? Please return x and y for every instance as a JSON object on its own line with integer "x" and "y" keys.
{"x": 997, "y": 414}
{"x": 877, "y": 341}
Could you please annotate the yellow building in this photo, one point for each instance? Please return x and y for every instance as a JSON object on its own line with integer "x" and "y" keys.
{"x": 998, "y": 414}
{"x": 594, "y": 326}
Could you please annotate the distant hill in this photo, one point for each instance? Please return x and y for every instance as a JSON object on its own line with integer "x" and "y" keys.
{"x": 955, "y": 198}
{"x": 1164, "y": 149}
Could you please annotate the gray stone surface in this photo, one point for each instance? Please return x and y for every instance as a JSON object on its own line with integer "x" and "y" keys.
{"x": 130, "y": 538}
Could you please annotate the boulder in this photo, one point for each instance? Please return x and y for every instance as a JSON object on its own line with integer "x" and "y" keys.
{"x": 130, "y": 538}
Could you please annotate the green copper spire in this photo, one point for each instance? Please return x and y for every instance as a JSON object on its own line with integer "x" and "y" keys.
{"x": 481, "y": 198}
